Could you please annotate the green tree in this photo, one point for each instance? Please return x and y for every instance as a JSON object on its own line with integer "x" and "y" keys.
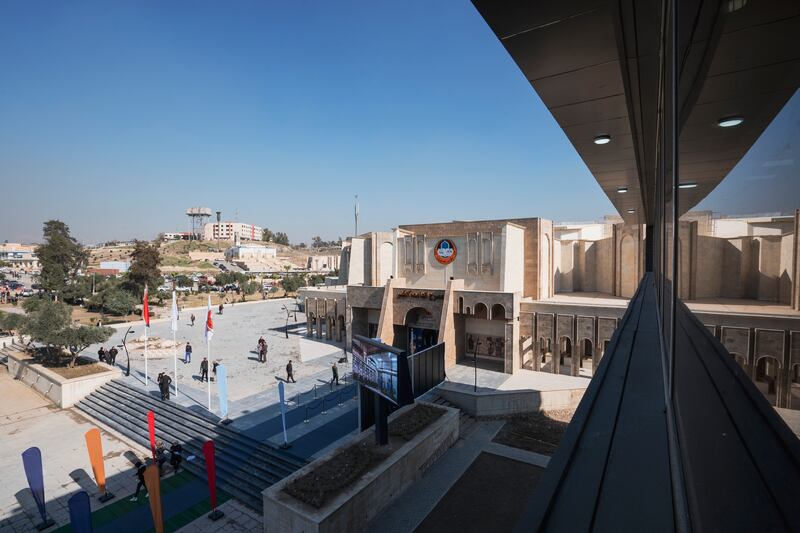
{"x": 60, "y": 257}
{"x": 77, "y": 290}
{"x": 144, "y": 270}
{"x": 50, "y": 323}
{"x": 293, "y": 282}
{"x": 182, "y": 280}
{"x": 114, "y": 300}
{"x": 267, "y": 236}
{"x": 281, "y": 238}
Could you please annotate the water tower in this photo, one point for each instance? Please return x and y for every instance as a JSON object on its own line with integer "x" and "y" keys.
{"x": 198, "y": 216}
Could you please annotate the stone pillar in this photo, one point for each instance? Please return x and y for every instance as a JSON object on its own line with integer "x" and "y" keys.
{"x": 386, "y": 320}
{"x": 447, "y": 323}
{"x": 329, "y": 322}
{"x": 309, "y": 323}
{"x": 318, "y": 320}
{"x": 348, "y": 321}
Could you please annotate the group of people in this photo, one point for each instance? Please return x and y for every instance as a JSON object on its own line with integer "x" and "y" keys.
{"x": 204, "y": 369}
{"x": 164, "y": 381}
{"x": 175, "y": 460}
{"x": 107, "y": 356}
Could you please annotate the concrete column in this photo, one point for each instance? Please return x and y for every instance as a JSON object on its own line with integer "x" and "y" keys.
{"x": 309, "y": 323}
{"x": 319, "y": 321}
{"x": 386, "y": 320}
{"x": 447, "y": 323}
{"x": 348, "y": 321}
{"x": 537, "y": 351}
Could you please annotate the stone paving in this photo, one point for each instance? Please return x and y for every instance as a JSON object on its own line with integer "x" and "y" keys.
{"x": 27, "y": 419}
{"x": 237, "y": 518}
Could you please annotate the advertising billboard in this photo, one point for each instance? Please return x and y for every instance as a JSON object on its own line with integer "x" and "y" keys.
{"x": 376, "y": 369}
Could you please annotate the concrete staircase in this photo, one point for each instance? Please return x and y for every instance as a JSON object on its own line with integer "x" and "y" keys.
{"x": 466, "y": 423}
{"x": 244, "y": 465}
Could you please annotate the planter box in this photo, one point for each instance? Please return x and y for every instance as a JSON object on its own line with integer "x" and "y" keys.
{"x": 358, "y": 504}
{"x": 59, "y": 390}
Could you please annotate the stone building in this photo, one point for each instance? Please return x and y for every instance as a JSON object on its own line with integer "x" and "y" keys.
{"x": 525, "y": 293}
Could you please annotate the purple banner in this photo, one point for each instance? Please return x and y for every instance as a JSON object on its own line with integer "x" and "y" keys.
{"x": 80, "y": 513}
{"x": 32, "y": 462}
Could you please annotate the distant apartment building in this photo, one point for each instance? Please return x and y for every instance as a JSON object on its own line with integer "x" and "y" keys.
{"x": 229, "y": 231}
{"x": 322, "y": 263}
{"x": 20, "y": 256}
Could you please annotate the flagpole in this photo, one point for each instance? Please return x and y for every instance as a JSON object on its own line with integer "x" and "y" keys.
{"x": 174, "y": 347}
{"x": 146, "y": 385}
{"x": 146, "y": 317}
{"x": 208, "y": 362}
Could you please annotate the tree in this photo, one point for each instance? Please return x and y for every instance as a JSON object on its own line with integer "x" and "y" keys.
{"x": 77, "y": 290}
{"x": 267, "y": 235}
{"x": 281, "y": 238}
{"x": 114, "y": 300}
{"x": 145, "y": 260}
{"x": 50, "y": 323}
{"x": 60, "y": 257}
{"x": 182, "y": 280}
{"x": 293, "y": 282}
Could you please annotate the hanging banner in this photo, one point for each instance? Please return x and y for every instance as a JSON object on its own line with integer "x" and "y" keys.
{"x": 208, "y": 452}
{"x": 282, "y": 394}
{"x": 153, "y": 483}
{"x": 222, "y": 390}
{"x": 32, "y": 462}
{"x": 151, "y": 426}
{"x": 95, "y": 448}
{"x": 80, "y": 513}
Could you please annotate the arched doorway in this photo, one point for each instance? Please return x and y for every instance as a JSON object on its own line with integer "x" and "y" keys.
{"x": 565, "y": 355}
{"x": 422, "y": 329}
{"x": 498, "y": 312}
{"x": 546, "y": 355}
{"x": 481, "y": 311}
{"x": 586, "y": 356}
{"x": 766, "y": 377}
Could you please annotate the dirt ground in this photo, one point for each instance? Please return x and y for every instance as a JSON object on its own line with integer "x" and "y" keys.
{"x": 535, "y": 432}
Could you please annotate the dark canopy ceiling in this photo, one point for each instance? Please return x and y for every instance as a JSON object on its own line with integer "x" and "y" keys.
{"x": 596, "y": 66}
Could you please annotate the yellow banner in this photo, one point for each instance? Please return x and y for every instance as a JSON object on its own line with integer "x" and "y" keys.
{"x": 95, "y": 447}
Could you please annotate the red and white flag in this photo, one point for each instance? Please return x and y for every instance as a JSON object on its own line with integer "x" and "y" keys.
{"x": 146, "y": 309}
{"x": 209, "y": 322}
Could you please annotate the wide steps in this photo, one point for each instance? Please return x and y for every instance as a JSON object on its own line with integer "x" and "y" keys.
{"x": 244, "y": 465}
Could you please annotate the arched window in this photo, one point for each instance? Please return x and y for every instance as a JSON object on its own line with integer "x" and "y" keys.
{"x": 498, "y": 312}
{"x": 481, "y": 311}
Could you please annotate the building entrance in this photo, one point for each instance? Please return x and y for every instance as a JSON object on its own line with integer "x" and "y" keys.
{"x": 420, "y": 338}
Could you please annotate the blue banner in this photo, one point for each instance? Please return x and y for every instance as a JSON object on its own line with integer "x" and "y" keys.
{"x": 222, "y": 390}
{"x": 32, "y": 462}
{"x": 80, "y": 513}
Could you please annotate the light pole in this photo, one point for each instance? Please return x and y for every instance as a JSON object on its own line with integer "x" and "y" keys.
{"x": 286, "y": 328}
{"x": 127, "y": 355}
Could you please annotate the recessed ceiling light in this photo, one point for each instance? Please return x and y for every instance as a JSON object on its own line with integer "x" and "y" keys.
{"x": 602, "y": 139}
{"x": 622, "y": 189}
{"x": 729, "y": 122}
{"x": 687, "y": 185}
{"x": 631, "y": 210}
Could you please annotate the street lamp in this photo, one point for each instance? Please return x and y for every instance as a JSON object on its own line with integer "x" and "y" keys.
{"x": 286, "y": 328}
{"x": 127, "y": 355}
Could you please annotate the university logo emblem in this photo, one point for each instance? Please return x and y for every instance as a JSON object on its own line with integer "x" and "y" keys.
{"x": 445, "y": 251}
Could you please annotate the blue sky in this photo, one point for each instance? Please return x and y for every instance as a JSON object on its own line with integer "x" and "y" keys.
{"x": 117, "y": 116}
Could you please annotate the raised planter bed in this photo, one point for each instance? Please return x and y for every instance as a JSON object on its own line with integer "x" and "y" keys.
{"x": 345, "y": 489}
{"x": 62, "y": 391}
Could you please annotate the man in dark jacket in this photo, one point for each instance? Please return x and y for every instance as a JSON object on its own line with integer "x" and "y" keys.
{"x": 101, "y": 355}
{"x": 140, "y": 468}
{"x": 204, "y": 370}
{"x": 289, "y": 373}
{"x": 335, "y": 370}
{"x": 112, "y": 356}
{"x": 164, "y": 385}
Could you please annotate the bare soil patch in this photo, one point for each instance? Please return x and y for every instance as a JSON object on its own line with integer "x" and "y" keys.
{"x": 535, "y": 432}
{"x": 345, "y": 468}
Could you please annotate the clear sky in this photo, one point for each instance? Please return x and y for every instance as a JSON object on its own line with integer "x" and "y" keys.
{"x": 117, "y": 116}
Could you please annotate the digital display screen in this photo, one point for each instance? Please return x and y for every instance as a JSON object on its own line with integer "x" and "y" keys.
{"x": 376, "y": 369}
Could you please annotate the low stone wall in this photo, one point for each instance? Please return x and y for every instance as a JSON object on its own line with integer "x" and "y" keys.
{"x": 511, "y": 402}
{"x": 59, "y": 390}
{"x": 355, "y": 507}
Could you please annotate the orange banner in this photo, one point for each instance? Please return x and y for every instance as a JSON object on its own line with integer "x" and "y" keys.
{"x": 153, "y": 484}
{"x": 95, "y": 447}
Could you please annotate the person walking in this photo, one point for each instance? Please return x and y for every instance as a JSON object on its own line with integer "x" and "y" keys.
{"x": 140, "y": 468}
{"x": 335, "y": 370}
{"x": 112, "y": 356}
{"x": 214, "y": 366}
{"x": 187, "y": 356}
{"x": 289, "y": 372}
{"x": 220, "y": 308}
{"x": 204, "y": 370}
{"x": 192, "y": 319}
{"x": 262, "y": 354}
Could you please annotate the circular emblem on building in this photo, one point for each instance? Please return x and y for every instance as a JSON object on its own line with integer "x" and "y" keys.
{"x": 445, "y": 251}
